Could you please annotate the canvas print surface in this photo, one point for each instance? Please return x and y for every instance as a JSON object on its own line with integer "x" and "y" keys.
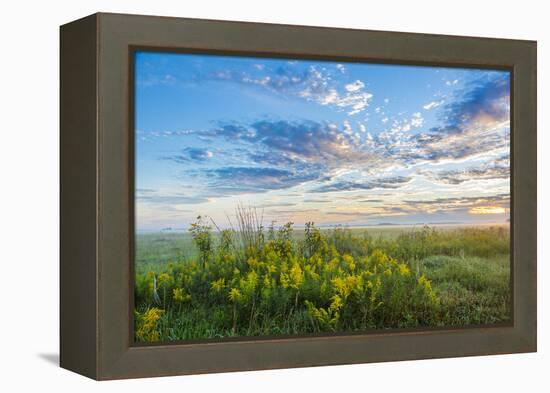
{"x": 279, "y": 197}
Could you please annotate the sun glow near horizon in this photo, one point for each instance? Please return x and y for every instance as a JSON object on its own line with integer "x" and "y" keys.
{"x": 487, "y": 210}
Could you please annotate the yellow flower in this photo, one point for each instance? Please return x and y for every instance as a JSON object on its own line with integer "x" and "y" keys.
{"x": 404, "y": 270}
{"x": 180, "y": 296}
{"x": 340, "y": 286}
{"x": 235, "y": 295}
{"x": 348, "y": 260}
{"x": 163, "y": 279}
{"x": 248, "y": 285}
{"x": 218, "y": 285}
{"x": 271, "y": 268}
{"x": 296, "y": 275}
{"x": 294, "y": 278}
{"x": 252, "y": 262}
{"x": 147, "y": 324}
{"x": 327, "y": 318}
{"x": 337, "y": 303}
{"x": 285, "y": 281}
{"x": 422, "y": 280}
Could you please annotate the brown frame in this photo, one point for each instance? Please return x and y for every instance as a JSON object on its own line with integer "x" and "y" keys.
{"x": 97, "y": 195}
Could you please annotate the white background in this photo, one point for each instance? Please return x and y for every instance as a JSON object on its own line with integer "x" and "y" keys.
{"x": 29, "y": 184}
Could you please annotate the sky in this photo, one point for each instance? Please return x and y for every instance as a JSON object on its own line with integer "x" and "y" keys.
{"x": 336, "y": 143}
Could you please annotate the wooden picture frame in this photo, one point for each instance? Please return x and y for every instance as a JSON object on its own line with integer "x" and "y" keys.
{"x": 97, "y": 195}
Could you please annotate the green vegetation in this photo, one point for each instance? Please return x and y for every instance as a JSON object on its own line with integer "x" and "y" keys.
{"x": 254, "y": 281}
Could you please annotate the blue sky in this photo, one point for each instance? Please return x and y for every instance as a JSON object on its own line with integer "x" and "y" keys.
{"x": 329, "y": 142}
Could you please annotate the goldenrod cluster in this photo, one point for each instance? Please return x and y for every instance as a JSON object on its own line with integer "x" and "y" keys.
{"x": 146, "y": 328}
{"x": 331, "y": 287}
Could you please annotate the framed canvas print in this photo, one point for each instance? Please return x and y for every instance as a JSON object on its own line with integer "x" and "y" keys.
{"x": 240, "y": 196}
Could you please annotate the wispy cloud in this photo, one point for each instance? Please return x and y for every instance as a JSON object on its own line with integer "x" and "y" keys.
{"x": 290, "y": 153}
{"x": 484, "y": 103}
{"x": 317, "y": 84}
{"x": 163, "y": 133}
{"x": 457, "y": 203}
{"x": 149, "y": 196}
{"x": 353, "y": 98}
{"x": 300, "y": 143}
{"x": 197, "y": 154}
{"x": 275, "y": 204}
{"x": 389, "y": 182}
{"x": 239, "y": 180}
{"x": 476, "y": 122}
{"x": 488, "y": 171}
{"x": 433, "y": 104}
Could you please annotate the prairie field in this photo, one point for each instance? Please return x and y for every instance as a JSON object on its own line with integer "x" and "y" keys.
{"x": 208, "y": 283}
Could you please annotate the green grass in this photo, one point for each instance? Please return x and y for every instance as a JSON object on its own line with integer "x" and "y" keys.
{"x": 472, "y": 290}
{"x": 300, "y": 282}
{"x": 161, "y": 247}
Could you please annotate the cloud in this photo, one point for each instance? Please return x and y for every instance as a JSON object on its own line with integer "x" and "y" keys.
{"x": 292, "y": 212}
{"x": 406, "y": 125}
{"x": 282, "y": 79}
{"x": 189, "y": 154}
{"x": 145, "y": 191}
{"x": 417, "y": 120}
{"x": 317, "y": 200}
{"x": 475, "y": 123}
{"x": 155, "y": 197}
{"x": 275, "y": 204}
{"x": 458, "y": 203}
{"x": 432, "y": 105}
{"x": 319, "y": 87}
{"x": 470, "y": 143}
{"x": 389, "y": 182}
{"x": 163, "y": 133}
{"x": 497, "y": 198}
{"x": 354, "y": 102}
{"x": 281, "y": 154}
{"x": 485, "y": 103}
{"x": 317, "y": 151}
{"x": 270, "y": 158}
{"x": 438, "y": 208}
{"x": 240, "y": 180}
{"x": 155, "y": 79}
{"x": 317, "y": 84}
{"x": 454, "y": 177}
{"x": 299, "y": 143}
{"x": 355, "y": 86}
